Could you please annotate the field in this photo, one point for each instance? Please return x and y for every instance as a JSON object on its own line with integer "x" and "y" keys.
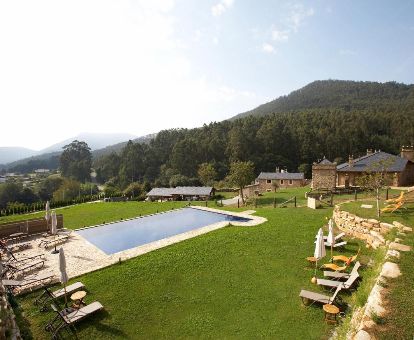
{"x": 236, "y": 282}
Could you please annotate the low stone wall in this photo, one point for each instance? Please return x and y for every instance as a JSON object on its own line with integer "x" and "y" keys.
{"x": 369, "y": 230}
{"x": 8, "y": 325}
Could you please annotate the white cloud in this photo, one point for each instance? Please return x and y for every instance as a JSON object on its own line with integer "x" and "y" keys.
{"x": 297, "y": 16}
{"x": 219, "y": 8}
{"x": 268, "y": 48}
{"x": 347, "y": 52}
{"x": 215, "y": 41}
{"x": 280, "y": 35}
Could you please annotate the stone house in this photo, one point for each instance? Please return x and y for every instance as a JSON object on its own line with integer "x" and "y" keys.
{"x": 181, "y": 193}
{"x": 327, "y": 175}
{"x": 283, "y": 179}
{"x": 324, "y": 175}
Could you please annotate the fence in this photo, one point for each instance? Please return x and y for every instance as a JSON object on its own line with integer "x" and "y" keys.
{"x": 31, "y": 226}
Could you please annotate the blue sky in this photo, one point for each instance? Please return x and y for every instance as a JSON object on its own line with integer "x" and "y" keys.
{"x": 141, "y": 66}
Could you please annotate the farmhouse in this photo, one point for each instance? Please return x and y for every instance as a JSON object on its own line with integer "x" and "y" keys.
{"x": 181, "y": 193}
{"x": 268, "y": 180}
{"x": 400, "y": 169}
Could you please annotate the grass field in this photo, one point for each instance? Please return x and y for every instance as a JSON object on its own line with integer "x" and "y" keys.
{"x": 88, "y": 214}
{"x": 238, "y": 282}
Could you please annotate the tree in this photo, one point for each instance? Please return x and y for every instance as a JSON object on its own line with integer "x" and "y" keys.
{"x": 10, "y": 192}
{"x": 306, "y": 169}
{"x": 76, "y": 161}
{"x": 241, "y": 174}
{"x": 376, "y": 178}
{"x": 47, "y": 187}
{"x": 69, "y": 190}
{"x": 134, "y": 189}
{"x": 207, "y": 174}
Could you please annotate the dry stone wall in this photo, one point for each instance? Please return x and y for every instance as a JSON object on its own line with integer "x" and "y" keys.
{"x": 8, "y": 325}
{"x": 370, "y": 230}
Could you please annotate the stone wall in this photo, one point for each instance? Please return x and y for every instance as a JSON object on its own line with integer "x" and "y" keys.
{"x": 323, "y": 176}
{"x": 369, "y": 230}
{"x": 8, "y": 325}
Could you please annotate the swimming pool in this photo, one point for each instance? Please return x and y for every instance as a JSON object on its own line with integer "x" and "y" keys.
{"x": 115, "y": 237}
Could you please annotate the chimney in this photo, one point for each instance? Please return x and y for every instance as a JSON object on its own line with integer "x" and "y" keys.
{"x": 277, "y": 169}
{"x": 351, "y": 161}
{"x": 369, "y": 152}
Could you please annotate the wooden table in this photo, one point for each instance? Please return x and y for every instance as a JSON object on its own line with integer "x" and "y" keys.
{"x": 77, "y": 299}
{"x": 331, "y": 312}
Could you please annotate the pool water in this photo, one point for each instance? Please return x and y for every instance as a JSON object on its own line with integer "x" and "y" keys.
{"x": 123, "y": 235}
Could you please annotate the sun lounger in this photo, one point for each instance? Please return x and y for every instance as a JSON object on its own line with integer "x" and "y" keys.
{"x": 49, "y": 295}
{"x": 27, "y": 281}
{"x": 51, "y": 242}
{"x": 334, "y": 267}
{"x": 346, "y": 259}
{"x": 307, "y": 296}
{"x": 14, "y": 269}
{"x": 69, "y": 316}
{"x": 334, "y": 284}
{"x": 342, "y": 276}
{"x": 336, "y": 245}
{"x": 337, "y": 237}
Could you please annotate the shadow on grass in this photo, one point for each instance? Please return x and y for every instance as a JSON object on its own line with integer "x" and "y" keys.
{"x": 103, "y": 328}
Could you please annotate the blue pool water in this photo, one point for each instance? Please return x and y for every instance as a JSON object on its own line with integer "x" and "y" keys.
{"x": 119, "y": 236}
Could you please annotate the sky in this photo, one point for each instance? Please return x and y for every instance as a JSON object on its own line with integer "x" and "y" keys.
{"x": 138, "y": 67}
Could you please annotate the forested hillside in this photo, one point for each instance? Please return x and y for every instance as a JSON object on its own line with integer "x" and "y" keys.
{"x": 290, "y": 139}
{"x": 342, "y": 95}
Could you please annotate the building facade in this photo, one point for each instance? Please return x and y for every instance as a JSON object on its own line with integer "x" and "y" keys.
{"x": 268, "y": 181}
{"x": 324, "y": 175}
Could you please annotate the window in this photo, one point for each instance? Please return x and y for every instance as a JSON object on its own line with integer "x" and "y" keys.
{"x": 268, "y": 181}
{"x": 281, "y": 181}
{"x": 290, "y": 182}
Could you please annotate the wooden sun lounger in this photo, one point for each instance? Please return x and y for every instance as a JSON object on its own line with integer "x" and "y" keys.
{"x": 336, "y": 245}
{"x": 340, "y": 276}
{"x": 337, "y": 237}
{"x": 334, "y": 284}
{"x": 51, "y": 242}
{"x": 49, "y": 295}
{"x": 307, "y": 296}
{"x": 27, "y": 281}
{"x": 69, "y": 316}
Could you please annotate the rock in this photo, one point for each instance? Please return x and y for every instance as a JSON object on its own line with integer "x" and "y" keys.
{"x": 397, "y": 240}
{"x": 362, "y": 335}
{"x": 387, "y": 225}
{"x": 398, "y": 225}
{"x": 393, "y": 253}
{"x": 374, "y": 302}
{"x": 373, "y": 221}
{"x": 368, "y": 324}
{"x": 399, "y": 247}
{"x": 401, "y": 234}
{"x": 378, "y": 236}
{"x": 376, "y": 244}
{"x": 390, "y": 270}
{"x": 407, "y": 229}
{"x": 366, "y": 225}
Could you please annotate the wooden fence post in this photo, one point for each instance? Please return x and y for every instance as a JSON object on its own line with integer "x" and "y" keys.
{"x": 295, "y": 201}
{"x": 355, "y": 195}
{"x": 255, "y": 202}
{"x": 238, "y": 203}
{"x": 386, "y": 196}
{"x": 274, "y": 202}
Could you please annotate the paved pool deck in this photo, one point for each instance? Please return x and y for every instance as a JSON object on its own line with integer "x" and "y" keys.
{"x": 83, "y": 257}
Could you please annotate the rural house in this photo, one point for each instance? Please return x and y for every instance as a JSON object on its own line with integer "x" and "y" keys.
{"x": 283, "y": 179}
{"x": 181, "y": 193}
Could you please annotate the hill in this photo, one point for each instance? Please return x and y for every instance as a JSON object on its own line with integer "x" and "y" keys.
{"x": 11, "y": 154}
{"x": 339, "y": 94}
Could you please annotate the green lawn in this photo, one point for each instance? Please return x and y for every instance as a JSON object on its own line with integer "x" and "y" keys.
{"x": 236, "y": 282}
{"x": 88, "y": 214}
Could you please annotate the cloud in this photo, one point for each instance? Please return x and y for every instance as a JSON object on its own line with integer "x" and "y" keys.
{"x": 280, "y": 35}
{"x": 221, "y": 7}
{"x": 347, "y": 52}
{"x": 268, "y": 48}
{"x": 297, "y": 16}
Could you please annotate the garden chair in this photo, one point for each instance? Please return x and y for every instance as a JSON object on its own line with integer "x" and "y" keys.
{"x": 27, "y": 281}
{"x": 336, "y": 245}
{"x": 396, "y": 200}
{"x": 392, "y": 208}
{"x": 335, "y": 284}
{"x": 49, "y": 295}
{"x": 344, "y": 258}
{"x": 51, "y": 242}
{"x": 337, "y": 237}
{"x": 335, "y": 267}
{"x": 69, "y": 316}
{"x": 14, "y": 269}
{"x": 307, "y": 296}
{"x": 342, "y": 276}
